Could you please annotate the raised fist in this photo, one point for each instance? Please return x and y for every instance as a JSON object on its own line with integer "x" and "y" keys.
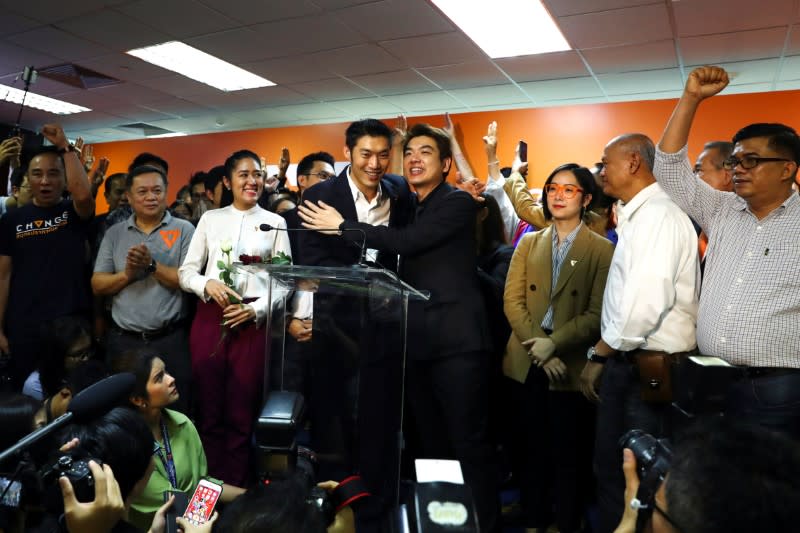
{"x": 705, "y": 82}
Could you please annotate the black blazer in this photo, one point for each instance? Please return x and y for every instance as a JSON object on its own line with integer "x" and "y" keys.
{"x": 332, "y": 250}
{"x": 438, "y": 254}
{"x": 293, "y": 222}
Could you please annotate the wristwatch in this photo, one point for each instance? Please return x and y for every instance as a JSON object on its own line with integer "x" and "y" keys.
{"x": 591, "y": 355}
{"x": 151, "y": 268}
{"x": 69, "y": 148}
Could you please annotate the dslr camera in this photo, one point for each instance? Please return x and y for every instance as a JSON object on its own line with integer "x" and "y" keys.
{"x": 653, "y": 460}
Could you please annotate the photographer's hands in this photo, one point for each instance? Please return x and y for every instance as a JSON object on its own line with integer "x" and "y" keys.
{"x": 345, "y": 520}
{"x": 99, "y": 515}
{"x": 628, "y": 522}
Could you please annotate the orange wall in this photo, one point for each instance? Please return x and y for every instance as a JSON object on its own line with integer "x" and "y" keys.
{"x": 555, "y": 135}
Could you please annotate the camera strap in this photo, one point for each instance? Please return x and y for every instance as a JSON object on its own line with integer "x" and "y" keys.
{"x": 167, "y": 460}
{"x": 349, "y": 491}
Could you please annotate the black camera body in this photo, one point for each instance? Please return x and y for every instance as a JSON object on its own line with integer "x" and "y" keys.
{"x": 78, "y": 473}
{"x": 653, "y": 461}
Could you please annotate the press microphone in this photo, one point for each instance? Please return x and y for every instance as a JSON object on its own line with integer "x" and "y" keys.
{"x": 362, "y": 247}
{"x": 90, "y": 403}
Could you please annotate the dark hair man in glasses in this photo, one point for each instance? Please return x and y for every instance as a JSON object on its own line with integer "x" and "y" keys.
{"x": 750, "y": 303}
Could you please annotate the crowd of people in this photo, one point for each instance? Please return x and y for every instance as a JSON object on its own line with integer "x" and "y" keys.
{"x": 552, "y": 328}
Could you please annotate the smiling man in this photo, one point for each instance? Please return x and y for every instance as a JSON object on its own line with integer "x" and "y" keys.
{"x": 137, "y": 265}
{"x": 43, "y": 252}
{"x": 750, "y": 303}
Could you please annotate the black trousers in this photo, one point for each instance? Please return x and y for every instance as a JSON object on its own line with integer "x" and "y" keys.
{"x": 449, "y": 402}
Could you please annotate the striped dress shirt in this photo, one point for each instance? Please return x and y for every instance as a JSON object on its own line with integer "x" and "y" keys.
{"x": 559, "y": 253}
{"x": 750, "y": 300}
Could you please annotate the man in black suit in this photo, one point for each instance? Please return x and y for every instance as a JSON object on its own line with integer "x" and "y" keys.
{"x": 449, "y": 341}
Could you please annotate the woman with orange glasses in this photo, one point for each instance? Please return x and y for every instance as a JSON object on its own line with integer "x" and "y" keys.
{"x": 553, "y": 297}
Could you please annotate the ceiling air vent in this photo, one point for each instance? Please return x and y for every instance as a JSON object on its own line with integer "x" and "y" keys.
{"x": 77, "y": 76}
{"x": 147, "y": 130}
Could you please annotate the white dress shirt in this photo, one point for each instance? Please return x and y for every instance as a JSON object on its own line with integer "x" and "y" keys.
{"x": 241, "y": 228}
{"x": 650, "y": 301}
{"x": 375, "y": 212}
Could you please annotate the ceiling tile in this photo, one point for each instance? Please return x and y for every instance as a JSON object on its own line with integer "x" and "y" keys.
{"x": 749, "y": 72}
{"x": 129, "y": 92}
{"x": 356, "y": 60}
{"x": 179, "y": 18}
{"x": 90, "y": 119}
{"x": 790, "y": 69}
{"x": 288, "y": 70}
{"x": 50, "y": 40}
{"x": 125, "y": 67}
{"x": 240, "y": 100}
{"x": 434, "y": 50}
{"x": 42, "y": 86}
{"x": 574, "y": 101}
{"x": 397, "y": 82}
{"x": 288, "y": 37}
{"x": 425, "y": 101}
{"x": 236, "y": 46}
{"x": 793, "y": 46}
{"x": 367, "y": 107}
{"x": 641, "y": 24}
{"x": 647, "y": 81}
{"x": 550, "y": 66}
{"x": 11, "y": 23}
{"x": 643, "y": 56}
{"x": 330, "y": 89}
{"x": 491, "y": 96}
{"x": 130, "y": 113}
{"x": 465, "y": 75}
{"x": 560, "y": 8}
{"x": 313, "y": 111}
{"x": 585, "y": 87}
{"x": 748, "y": 88}
{"x": 703, "y": 17}
{"x": 177, "y": 108}
{"x": 378, "y": 20}
{"x": 178, "y": 85}
{"x": 736, "y": 46}
{"x": 115, "y": 30}
{"x": 48, "y": 11}
{"x": 657, "y": 95}
{"x": 337, "y": 4}
{"x": 250, "y": 12}
{"x": 13, "y": 59}
{"x": 792, "y": 85}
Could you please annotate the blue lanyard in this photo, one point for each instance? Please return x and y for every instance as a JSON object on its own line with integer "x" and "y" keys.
{"x": 168, "y": 462}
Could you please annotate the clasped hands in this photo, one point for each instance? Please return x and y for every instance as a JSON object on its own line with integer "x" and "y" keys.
{"x": 540, "y": 352}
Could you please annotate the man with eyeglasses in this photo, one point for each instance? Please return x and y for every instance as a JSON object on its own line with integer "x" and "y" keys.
{"x": 750, "y": 303}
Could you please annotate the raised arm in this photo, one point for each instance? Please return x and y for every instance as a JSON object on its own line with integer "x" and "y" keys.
{"x": 458, "y": 156}
{"x": 398, "y": 137}
{"x": 526, "y": 208}
{"x": 77, "y": 180}
{"x": 490, "y": 144}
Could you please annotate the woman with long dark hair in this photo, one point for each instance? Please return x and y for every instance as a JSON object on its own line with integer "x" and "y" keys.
{"x": 553, "y": 298}
{"x": 228, "y": 341}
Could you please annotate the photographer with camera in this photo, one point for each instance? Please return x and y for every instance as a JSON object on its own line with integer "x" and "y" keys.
{"x": 722, "y": 477}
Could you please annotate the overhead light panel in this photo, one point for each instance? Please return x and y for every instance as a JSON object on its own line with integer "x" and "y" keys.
{"x": 506, "y": 28}
{"x": 165, "y": 135}
{"x": 37, "y": 101}
{"x": 200, "y": 66}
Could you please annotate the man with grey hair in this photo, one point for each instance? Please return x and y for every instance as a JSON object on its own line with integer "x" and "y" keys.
{"x": 649, "y": 312}
{"x": 709, "y": 167}
{"x": 137, "y": 265}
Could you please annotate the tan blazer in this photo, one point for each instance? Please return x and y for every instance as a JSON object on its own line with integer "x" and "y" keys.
{"x": 528, "y": 210}
{"x": 577, "y": 300}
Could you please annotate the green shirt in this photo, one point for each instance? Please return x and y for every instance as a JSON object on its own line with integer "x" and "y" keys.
{"x": 190, "y": 467}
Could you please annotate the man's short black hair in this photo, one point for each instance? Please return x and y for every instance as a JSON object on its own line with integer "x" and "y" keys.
{"x": 144, "y": 169}
{"x": 120, "y": 439}
{"x": 728, "y": 476}
{"x": 307, "y": 163}
{"x": 585, "y": 180}
{"x": 115, "y": 176}
{"x": 368, "y": 126}
{"x": 437, "y": 134}
{"x": 724, "y": 150}
{"x": 235, "y": 157}
{"x": 213, "y": 177}
{"x": 782, "y": 138}
{"x": 198, "y": 177}
{"x": 146, "y": 158}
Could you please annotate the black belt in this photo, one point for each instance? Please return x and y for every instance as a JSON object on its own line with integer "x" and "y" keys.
{"x": 154, "y": 334}
{"x": 751, "y": 372}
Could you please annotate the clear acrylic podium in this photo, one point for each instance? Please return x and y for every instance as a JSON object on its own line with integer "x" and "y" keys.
{"x": 351, "y": 371}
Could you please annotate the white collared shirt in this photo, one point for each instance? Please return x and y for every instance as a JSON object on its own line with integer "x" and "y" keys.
{"x": 375, "y": 212}
{"x": 650, "y": 300}
{"x": 241, "y": 228}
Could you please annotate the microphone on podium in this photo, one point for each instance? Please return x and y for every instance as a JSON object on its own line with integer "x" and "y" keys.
{"x": 362, "y": 247}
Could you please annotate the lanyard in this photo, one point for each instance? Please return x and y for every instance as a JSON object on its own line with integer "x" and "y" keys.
{"x": 169, "y": 464}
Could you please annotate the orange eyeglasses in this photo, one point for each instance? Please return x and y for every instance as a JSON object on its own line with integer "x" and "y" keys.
{"x": 568, "y": 191}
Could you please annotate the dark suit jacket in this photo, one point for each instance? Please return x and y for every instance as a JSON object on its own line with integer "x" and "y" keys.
{"x": 332, "y": 250}
{"x": 438, "y": 254}
{"x": 293, "y": 222}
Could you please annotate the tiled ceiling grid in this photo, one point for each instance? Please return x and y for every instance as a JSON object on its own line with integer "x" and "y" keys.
{"x": 337, "y": 60}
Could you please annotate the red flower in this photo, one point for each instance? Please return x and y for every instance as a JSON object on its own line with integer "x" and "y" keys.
{"x": 249, "y": 259}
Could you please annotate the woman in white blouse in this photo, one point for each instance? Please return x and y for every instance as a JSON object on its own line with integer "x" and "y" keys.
{"x": 227, "y": 341}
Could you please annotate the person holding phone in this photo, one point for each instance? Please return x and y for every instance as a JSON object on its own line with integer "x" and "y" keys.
{"x": 553, "y": 297}
{"x": 180, "y": 462}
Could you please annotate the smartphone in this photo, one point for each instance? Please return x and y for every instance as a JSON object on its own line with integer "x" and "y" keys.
{"x": 201, "y": 505}
{"x": 523, "y": 151}
{"x": 181, "y": 502}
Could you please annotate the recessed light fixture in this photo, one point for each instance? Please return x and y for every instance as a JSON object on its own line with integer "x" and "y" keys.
{"x": 506, "y": 28}
{"x": 164, "y": 135}
{"x": 195, "y": 64}
{"x": 37, "y": 101}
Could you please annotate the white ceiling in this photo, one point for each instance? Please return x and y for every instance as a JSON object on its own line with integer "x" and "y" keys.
{"x": 338, "y": 60}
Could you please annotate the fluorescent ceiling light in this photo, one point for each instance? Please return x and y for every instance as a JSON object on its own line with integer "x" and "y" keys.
{"x": 164, "y": 135}
{"x": 506, "y": 28}
{"x": 37, "y": 101}
{"x": 200, "y": 66}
